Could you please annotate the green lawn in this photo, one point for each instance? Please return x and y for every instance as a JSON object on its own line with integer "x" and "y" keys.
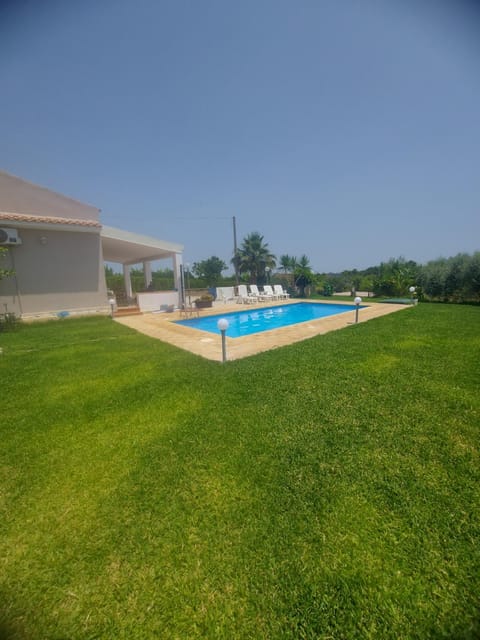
{"x": 326, "y": 490}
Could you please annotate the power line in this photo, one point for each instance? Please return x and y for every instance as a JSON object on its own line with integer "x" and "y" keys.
{"x": 234, "y": 221}
{"x": 206, "y": 218}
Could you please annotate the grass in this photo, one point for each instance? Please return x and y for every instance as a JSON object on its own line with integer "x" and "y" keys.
{"x": 329, "y": 489}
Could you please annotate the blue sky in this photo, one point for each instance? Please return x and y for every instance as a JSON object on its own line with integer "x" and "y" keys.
{"x": 348, "y": 131}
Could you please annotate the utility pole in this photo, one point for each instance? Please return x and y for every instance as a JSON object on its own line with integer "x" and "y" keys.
{"x": 182, "y": 285}
{"x": 235, "y": 249}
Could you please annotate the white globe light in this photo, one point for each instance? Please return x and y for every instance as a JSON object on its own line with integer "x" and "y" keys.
{"x": 358, "y": 300}
{"x": 111, "y": 301}
{"x": 222, "y": 324}
{"x": 412, "y": 289}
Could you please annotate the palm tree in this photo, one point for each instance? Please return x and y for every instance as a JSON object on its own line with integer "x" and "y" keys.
{"x": 288, "y": 264}
{"x": 303, "y": 274}
{"x": 253, "y": 257}
{"x": 304, "y": 262}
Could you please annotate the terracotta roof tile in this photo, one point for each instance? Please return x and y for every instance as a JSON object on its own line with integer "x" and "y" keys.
{"x": 21, "y": 217}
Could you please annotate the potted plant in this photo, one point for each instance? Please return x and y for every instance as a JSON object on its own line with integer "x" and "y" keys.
{"x": 204, "y": 301}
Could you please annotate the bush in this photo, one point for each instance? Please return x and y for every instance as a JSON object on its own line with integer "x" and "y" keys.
{"x": 8, "y": 322}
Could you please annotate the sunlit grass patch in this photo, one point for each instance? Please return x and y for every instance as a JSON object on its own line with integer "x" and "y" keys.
{"x": 326, "y": 489}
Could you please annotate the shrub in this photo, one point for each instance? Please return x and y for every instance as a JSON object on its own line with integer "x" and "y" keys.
{"x": 8, "y": 321}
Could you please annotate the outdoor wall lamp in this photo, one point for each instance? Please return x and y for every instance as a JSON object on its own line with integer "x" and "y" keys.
{"x": 222, "y": 325}
{"x": 358, "y": 302}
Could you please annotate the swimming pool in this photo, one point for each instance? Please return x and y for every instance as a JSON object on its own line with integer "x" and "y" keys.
{"x": 245, "y": 323}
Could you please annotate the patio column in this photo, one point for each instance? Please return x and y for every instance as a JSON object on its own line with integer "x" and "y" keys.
{"x": 128, "y": 281}
{"x": 147, "y": 273}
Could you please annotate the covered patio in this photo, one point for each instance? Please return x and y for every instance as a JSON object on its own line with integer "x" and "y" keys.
{"x": 129, "y": 249}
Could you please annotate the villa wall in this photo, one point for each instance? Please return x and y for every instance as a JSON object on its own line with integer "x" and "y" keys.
{"x": 58, "y": 260}
{"x": 55, "y": 271}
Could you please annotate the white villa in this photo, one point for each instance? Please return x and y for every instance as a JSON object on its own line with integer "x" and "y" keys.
{"x": 57, "y": 247}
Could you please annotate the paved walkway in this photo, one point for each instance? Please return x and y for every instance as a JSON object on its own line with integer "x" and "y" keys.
{"x": 162, "y": 326}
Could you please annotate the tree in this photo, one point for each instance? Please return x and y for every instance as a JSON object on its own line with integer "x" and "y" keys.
{"x": 288, "y": 264}
{"x": 455, "y": 279}
{"x": 432, "y": 278}
{"x": 253, "y": 257}
{"x": 115, "y": 281}
{"x": 4, "y": 273}
{"x": 7, "y": 320}
{"x": 303, "y": 274}
{"x": 209, "y": 270}
{"x": 452, "y": 279}
{"x": 472, "y": 278}
{"x": 395, "y": 277}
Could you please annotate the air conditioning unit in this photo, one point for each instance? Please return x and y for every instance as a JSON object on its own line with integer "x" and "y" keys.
{"x": 9, "y": 236}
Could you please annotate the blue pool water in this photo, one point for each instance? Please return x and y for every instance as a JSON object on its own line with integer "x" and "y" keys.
{"x": 244, "y": 323}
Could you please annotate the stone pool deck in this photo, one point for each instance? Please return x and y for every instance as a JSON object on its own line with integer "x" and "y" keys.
{"x": 162, "y": 327}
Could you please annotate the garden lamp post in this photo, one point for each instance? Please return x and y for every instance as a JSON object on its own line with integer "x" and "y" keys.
{"x": 412, "y": 293}
{"x": 111, "y": 302}
{"x": 222, "y": 325}
{"x": 358, "y": 302}
{"x": 267, "y": 273}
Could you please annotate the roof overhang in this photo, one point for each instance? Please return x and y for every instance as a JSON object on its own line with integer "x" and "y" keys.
{"x": 131, "y": 248}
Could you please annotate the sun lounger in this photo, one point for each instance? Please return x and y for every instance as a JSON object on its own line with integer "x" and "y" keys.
{"x": 267, "y": 289}
{"x": 244, "y": 296}
{"x": 261, "y": 297}
{"x": 280, "y": 292}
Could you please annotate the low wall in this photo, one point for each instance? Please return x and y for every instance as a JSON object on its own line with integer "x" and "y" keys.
{"x": 153, "y": 300}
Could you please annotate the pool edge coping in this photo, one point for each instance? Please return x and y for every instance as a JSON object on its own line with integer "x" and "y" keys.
{"x": 268, "y": 305}
{"x": 164, "y": 327}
